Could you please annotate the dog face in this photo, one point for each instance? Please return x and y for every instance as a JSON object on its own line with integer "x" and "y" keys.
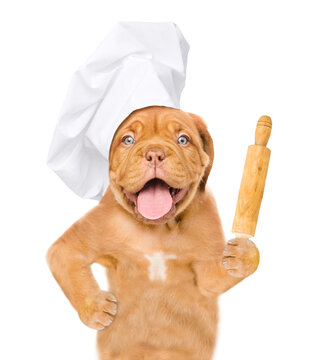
{"x": 159, "y": 158}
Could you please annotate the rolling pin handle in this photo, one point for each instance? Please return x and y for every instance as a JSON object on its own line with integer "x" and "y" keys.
{"x": 263, "y": 130}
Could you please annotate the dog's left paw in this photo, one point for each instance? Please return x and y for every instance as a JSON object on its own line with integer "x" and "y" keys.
{"x": 240, "y": 257}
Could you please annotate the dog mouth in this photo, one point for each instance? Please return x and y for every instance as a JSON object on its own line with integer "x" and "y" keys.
{"x": 156, "y": 199}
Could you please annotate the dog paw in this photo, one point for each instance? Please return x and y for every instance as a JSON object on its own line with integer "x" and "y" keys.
{"x": 98, "y": 310}
{"x": 240, "y": 257}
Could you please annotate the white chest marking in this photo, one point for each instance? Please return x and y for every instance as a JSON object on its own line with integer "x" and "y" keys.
{"x": 157, "y": 267}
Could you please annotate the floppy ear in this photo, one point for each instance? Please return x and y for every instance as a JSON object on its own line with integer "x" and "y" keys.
{"x": 207, "y": 146}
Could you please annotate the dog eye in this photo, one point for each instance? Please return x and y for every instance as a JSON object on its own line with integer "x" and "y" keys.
{"x": 128, "y": 140}
{"x": 183, "y": 140}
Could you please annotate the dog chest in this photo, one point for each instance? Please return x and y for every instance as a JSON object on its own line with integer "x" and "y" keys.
{"x": 158, "y": 264}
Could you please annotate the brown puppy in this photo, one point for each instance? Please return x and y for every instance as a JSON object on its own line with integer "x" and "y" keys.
{"x": 158, "y": 233}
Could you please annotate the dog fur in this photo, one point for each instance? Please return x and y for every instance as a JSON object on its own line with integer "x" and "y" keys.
{"x": 164, "y": 275}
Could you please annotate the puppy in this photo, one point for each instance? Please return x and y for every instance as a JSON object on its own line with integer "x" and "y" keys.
{"x": 158, "y": 233}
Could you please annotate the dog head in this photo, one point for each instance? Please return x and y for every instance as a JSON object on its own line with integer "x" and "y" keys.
{"x": 159, "y": 158}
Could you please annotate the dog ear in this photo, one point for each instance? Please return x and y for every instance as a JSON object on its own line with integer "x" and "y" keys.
{"x": 208, "y": 146}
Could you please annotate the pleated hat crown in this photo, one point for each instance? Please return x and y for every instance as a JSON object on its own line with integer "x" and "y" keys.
{"x": 137, "y": 65}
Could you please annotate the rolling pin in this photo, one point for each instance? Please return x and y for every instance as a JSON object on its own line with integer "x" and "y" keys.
{"x": 253, "y": 182}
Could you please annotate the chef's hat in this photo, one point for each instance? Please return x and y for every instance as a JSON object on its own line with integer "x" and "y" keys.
{"x": 137, "y": 65}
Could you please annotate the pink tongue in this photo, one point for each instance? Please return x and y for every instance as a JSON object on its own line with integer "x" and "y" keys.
{"x": 154, "y": 200}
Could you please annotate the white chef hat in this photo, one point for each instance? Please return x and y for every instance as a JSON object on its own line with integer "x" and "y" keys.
{"x": 138, "y": 64}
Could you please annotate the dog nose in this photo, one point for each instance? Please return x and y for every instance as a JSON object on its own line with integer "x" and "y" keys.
{"x": 155, "y": 156}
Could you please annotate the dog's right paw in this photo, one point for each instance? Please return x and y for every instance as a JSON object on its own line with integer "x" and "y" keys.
{"x": 98, "y": 310}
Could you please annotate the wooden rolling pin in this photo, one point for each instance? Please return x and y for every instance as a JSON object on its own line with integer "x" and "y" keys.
{"x": 253, "y": 182}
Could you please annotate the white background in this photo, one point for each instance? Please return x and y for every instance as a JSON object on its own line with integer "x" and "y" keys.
{"x": 247, "y": 58}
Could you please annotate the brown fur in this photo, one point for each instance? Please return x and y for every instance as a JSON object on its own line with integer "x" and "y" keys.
{"x": 145, "y": 319}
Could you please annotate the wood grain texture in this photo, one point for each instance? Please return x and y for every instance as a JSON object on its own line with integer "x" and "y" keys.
{"x": 253, "y": 181}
